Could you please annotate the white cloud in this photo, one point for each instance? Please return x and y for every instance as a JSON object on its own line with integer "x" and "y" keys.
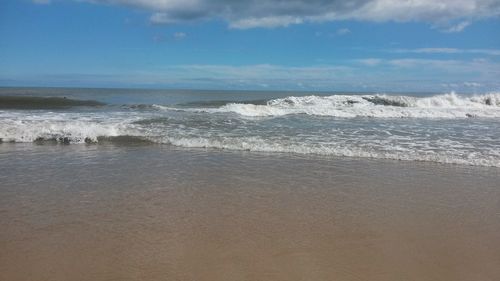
{"x": 370, "y": 61}
{"x": 343, "y": 31}
{"x": 266, "y": 72}
{"x": 447, "y": 15}
{"x": 387, "y": 75}
{"x": 177, "y": 36}
{"x": 160, "y": 18}
{"x": 445, "y": 67}
{"x": 457, "y": 27}
{"x": 490, "y": 52}
{"x": 443, "y": 64}
{"x": 396, "y": 74}
{"x": 434, "y": 51}
{"x": 336, "y": 33}
{"x": 180, "y": 35}
{"x": 269, "y": 22}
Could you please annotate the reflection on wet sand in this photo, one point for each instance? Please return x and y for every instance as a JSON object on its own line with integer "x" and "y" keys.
{"x": 157, "y": 213}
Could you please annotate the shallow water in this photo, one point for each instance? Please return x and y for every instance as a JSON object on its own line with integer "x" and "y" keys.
{"x": 156, "y": 212}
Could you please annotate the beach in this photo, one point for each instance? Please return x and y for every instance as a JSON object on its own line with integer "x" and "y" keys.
{"x": 158, "y": 212}
{"x": 202, "y": 140}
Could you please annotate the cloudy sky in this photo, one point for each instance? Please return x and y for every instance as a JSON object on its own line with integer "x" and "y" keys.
{"x": 327, "y": 45}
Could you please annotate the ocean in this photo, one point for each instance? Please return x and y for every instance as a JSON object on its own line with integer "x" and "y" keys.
{"x": 448, "y": 128}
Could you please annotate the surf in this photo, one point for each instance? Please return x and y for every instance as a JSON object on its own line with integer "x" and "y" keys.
{"x": 375, "y": 106}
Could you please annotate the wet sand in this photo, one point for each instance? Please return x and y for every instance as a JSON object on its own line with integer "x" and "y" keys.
{"x": 148, "y": 212}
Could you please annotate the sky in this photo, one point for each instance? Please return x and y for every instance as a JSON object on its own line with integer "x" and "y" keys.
{"x": 304, "y": 45}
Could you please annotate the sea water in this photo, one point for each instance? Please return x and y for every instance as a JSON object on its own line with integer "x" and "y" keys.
{"x": 440, "y": 127}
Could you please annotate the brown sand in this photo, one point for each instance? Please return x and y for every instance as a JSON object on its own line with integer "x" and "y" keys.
{"x": 155, "y": 213}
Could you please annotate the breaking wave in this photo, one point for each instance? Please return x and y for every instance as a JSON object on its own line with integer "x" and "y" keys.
{"x": 383, "y": 106}
{"x": 82, "y": 132}
{"x": 110, "y": 135}
{"x": 74, "y": 132}
{"x": 63, "y": 127}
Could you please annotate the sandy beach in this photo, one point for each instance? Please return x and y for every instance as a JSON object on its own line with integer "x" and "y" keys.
{"x": 263, "y": 140}
{"x": 154, "y": 212}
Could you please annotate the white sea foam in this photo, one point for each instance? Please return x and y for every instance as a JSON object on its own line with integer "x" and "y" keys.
{"x": 75, "y": 132}
{"x": 262, "y": 145}
{"x": 18, "y": 127}
{"x": 81, "y": 131}
{"x": 383, "y": 106}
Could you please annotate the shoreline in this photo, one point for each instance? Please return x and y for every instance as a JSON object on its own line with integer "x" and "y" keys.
{"x": 156, "y": 212}
{"x": 134, "y": 141}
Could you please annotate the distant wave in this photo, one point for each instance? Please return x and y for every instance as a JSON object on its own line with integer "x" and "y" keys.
{"x": 384, "y": 106}
{"x": 26, "y": 102}
{"x": 217, "y": 103}
{"x": 350, "y": 106}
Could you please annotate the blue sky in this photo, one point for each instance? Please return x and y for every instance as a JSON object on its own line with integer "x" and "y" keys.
{"x": 364, "y": 45}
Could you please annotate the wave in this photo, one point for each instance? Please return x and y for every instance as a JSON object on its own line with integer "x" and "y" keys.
{"x": 78, "y": 133}
{"x": 261, "y": 145}
{"x": 218, "y": 103}
{"x": 384, "y": 106}
{"x": 28, "y": 102}
{"x": 61, "y": 128}
{"x": 442, "y": 141}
